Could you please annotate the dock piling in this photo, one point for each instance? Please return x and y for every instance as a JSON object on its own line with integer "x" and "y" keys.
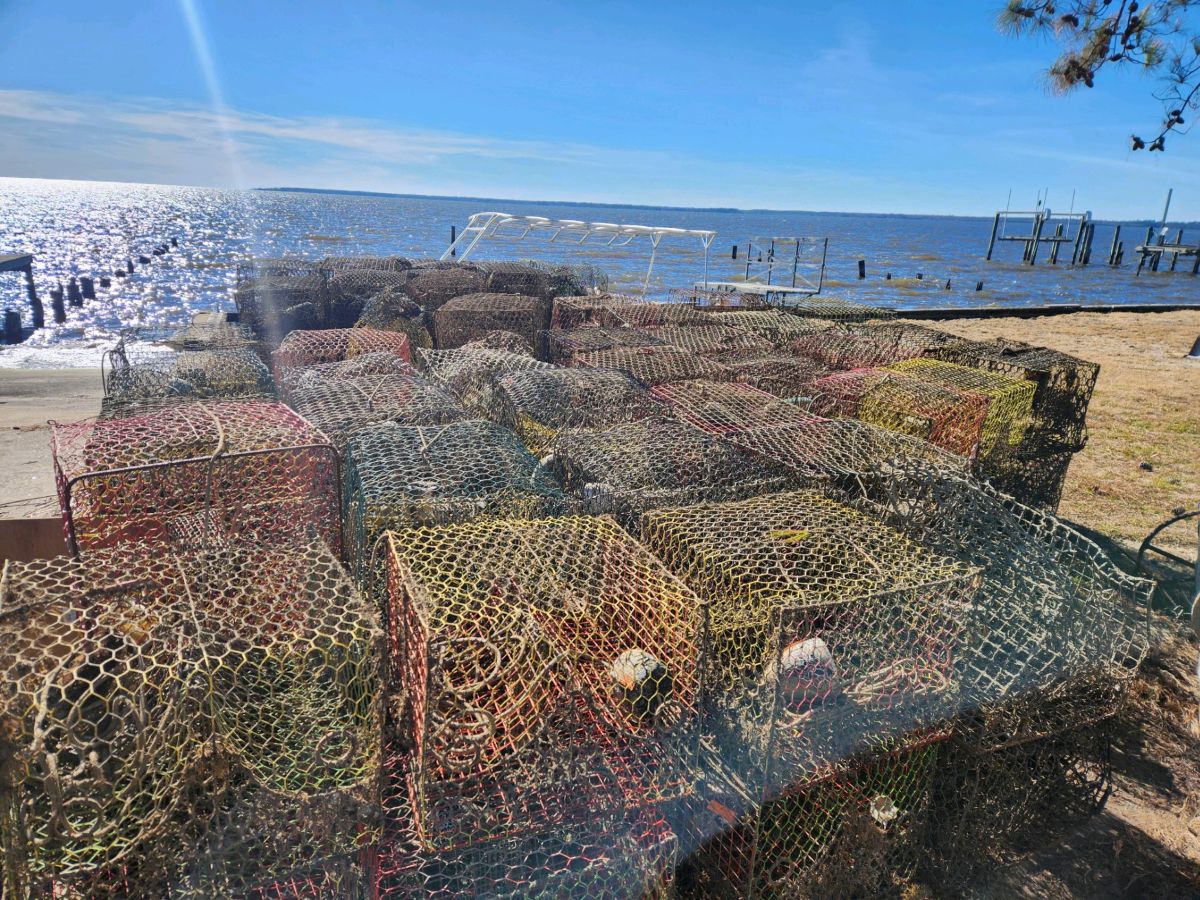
{"x": 862, "y": 269}
{"x": 88, "y": 287}
{"x": 12, "y": 326}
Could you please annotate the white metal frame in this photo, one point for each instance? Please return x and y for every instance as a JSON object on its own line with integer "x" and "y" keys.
{"x": 488, "y": 225}
{"x": 758, "y": 274}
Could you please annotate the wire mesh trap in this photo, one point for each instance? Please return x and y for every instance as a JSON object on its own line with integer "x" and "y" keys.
{"x": 569, "y": 279}
{"x": 508, "y": 341}
{"x": 138, "y": 372}
{"x": 1009, "y": 400}
{"x": 341, "y": 408}
{"x": 306, "y": 348}
{"x": 562, "y": 347}
{"x": 390, "y": 310}
{"x": 375, "y": 263}
{"x": 351, "y": 288}
{"x": 844, "y": 348}
{"x": 656, "y": 365}
{"x": 773, "y": 325}
{"x": 624, "y": 470}
{"x": 159, "y": 706}
{"x": 1036, "y": 480}
{"x": 947, "y": 418}
{"x": 724, "y": 408}
{"x": 272, "y": 305}
{"x": 1057, "y": 632}
{"x": 830, "y": 632}
{"x": 210, "y": 333}
{"x": 551, "y": 675}
{"x": 834, "y": 309}
{"x": 471, "y": 316}
{"x": 471, "y": 374}
{"x": 377, "y": 363}
{"x": 784, "y": 376}
{"x": 719, "y": 300}
{"x": 715, "y": 341}
{"x": 183, "y": 472}
{"x": 539, "y": 404}
{"x": 857, "y": 832}
{"x": 618, "y": 310}
{"x": 402, "y": 476}
{"x": 431, "y": 287}
{"x": 1064, "y": 385}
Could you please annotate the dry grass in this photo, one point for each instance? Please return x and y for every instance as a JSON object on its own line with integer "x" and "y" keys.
{"x": 1146, "y": 409}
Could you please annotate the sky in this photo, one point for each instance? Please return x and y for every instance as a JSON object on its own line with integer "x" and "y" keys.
{"x": 871, "y": 106}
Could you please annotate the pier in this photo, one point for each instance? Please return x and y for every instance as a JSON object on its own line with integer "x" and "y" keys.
{"x": 22, "y": 262}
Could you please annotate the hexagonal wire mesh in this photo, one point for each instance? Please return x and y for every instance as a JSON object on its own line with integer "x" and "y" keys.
{"x": 272, "y": 305}
{"x": 945, "y": 417}
{"x": 854, "y": 832}
{"x": 508, "y": 341}
{"x": 404, "y": 476}
{"x": 624, "y": 470}
{"x": 656, "y": 365}
{"x": 471, "y": 374}
{"x": 773, "y": 325}
{"x": 351, "y": 288}
{"x": 539, "y": 404}
{"x": 432, "y": 287}
{"x": 845, "y": 348}
{"x": 340, "y": 408}
{"x": 471, "y": 316}
{"x": 209, "y": 468}
{"x": 183, "y": 721}
{"x": 376, "y": 263}
{"x": 552, "y": 674}
{"x": 391, "y": 310}
{"x": 714, "y": 341}
{"x": 135, "y": 371}
{"x": 562, "y": 347}
{"x": 834, "y": 309}
{"x": 306, "y": 348}
{"x": 618, "y": 310}
{"x": 721, "y": 301}
{"x": 380, "y": 362}
{"x": 830, "y": 632}
{"x": 210, "y": 333}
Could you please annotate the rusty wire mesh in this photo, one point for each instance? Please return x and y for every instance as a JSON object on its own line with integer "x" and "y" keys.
{"x": 140, "y": 372}
{"x": 1064, "y": 384}
{"x": 619, "y": 310}
{"x": 306, "y": 348}
{"x": 405, "y": 476}
{"x": 376, "y": 363}
{"x": 715, "y": 341}
{"x": 471, "y": 374}
{"x": 830, "y": 632}
{"x": 562, "y": 347}
{"x": 1009, "y": 400}
{"x": 1034, "y": 478}
{"x": 624, "y": 470}
{"x": 834, "y": 309}
{"x": 552, "y": 675}
{"x": 341, "y": 408}
{"x": 779, "y": 374}
{"x": 183, "y": 722}
{"x": 390, "y": 310}
{"x": 844, "y": 348}
{"x": 242, "y": 467}
{"x": 656, "y": 365}
{"x": 432, "y": 286}
{"x": 518, "y": 277}
{"x": 945, "y": 417}
{"x": 726, "y": 407}
{"x": 855, "y": 832}
{"x": 774, "y": 325}
{"x": 608, "y": 857}
{"x": 471, "y": 316}
{"x": 508, "y": 341}
{"x": 539, "y": 404}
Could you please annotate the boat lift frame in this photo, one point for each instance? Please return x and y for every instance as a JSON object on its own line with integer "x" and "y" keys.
{"x": 490, "y": 225}
{"x": 757, "y": 281}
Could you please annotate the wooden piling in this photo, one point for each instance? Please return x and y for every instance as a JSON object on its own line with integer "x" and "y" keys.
{"x": 862, "y": 269}
{"x": 1058, "y": 233}
{"x": 88, "y": 286}
{"x": 992, "y": 239}
{"x": 58, "y": 307}
{"x": 174, "y": 242}
{"x": 12, "y": 326}
{"x": 1175, "y": 255}
{"x": 1112, "y": 250}
{"x": 1038, "y": 225}
{"x": 74, "y": 295}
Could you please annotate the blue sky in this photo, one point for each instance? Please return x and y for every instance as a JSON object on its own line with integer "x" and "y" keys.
{"x": 870, "y": 106}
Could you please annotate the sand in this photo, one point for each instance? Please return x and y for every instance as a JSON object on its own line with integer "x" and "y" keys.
{"x": 28, "y": 399}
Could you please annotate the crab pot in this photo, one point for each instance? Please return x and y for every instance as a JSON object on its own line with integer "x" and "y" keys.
{"x": 283, "y": 297}
{"x": 624, "y": 470}
{"x": 471, "y": 375}
{"x": 406, "y": 476}
{"x": 538, "y": 405}
{"x": 467, "y": 318}
{"x": 307, "y": 348}
{"x": 855, "y": 831}
{"x": 608, "y": 856}
{"x": 777, "y": 327}
{"x": 1057, "y": 632}
{"x": 505, "y": 277}
{"x": 656, "y": 365}
{"x": 562, "y": 347}
{"x": 1009, "y": 400}
{"x": 1035, "y": 480}
{"x": 831, "y": 309}
{"x": 719, "y": 301}
{"x": 725, "y": 409}
{"x": 551, "y": 674}
{"x": 365, "y": 364}
{"x": 146, "y": 692}
{"x": 375, "y": 263}
{"x": 391, "y": 310}
{"x": 212, "y": 335}
{"x": 340, "y": 408}
{"x": 351, "y": 289}
{"x": 829, "y": 631}
{"x": 947, "y": 418}
{"x": 617, "y": 310}
{"x": 208, "y": 470}
{"x": 135, "y": 372}
{"x": 433, "y": 285}
{"x": 713, "y": 341}
{"x": 842, "y": 349}
{"x": 988, "y": 804}
{"x": 781, "y": 375}
{"x": 1063, "y": 383}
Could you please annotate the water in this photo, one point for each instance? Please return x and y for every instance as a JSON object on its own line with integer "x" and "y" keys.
{"x": 91, "y": 228}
